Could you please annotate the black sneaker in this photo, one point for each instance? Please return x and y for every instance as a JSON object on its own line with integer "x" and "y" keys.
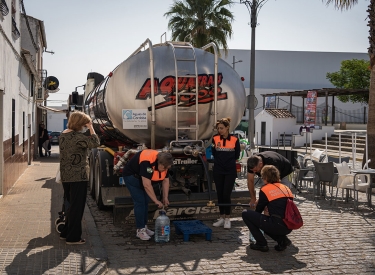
{"x": 280, "y": 248}
{"x": 287, "y": 242}
{"x": 283, "y": 244}
{"x": 263, "y": 248}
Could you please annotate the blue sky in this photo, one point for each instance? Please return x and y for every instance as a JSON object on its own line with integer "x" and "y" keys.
{"x": 93, "y": 35}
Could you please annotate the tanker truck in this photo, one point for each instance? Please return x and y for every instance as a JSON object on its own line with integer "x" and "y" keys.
{"x": 167, "y": 97}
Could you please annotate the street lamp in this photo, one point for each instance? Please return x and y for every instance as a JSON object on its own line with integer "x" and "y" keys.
{"x": 253, "y": 7}
{"x": 234, "y": 61}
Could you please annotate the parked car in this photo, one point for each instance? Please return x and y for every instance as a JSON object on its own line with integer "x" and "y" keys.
{"x": 54, "y": 137}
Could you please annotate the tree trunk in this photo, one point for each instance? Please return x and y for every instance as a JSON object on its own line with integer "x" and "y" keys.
{"x": 371, "y": 121}
{"x": 371, "y": 102}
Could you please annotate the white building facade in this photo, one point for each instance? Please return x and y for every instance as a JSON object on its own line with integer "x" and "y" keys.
{"x": 57, "y": 121}
{"x": 282, "y": 71}
{"x": 21, "y": 54}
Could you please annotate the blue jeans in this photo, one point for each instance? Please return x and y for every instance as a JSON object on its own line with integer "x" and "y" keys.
{"x": 140, "y": 200}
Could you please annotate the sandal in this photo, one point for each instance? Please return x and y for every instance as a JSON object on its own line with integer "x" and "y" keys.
{"x": 79, "y": 242}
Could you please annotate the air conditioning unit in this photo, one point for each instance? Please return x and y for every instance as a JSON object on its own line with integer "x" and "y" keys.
{"x": 40, "y": 94}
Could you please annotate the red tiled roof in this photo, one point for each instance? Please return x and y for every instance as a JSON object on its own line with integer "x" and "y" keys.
{"x": 280, "y": 113}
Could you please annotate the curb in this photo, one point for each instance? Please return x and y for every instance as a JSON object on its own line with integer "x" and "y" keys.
{"x": 99, "y": 266}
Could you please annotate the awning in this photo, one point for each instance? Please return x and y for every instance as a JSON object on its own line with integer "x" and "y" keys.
{"x": 51, "y": 109}
{"x": 322, "y": 92}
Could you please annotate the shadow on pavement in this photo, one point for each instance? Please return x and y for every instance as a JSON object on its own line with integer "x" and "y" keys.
{"x": 273, "y": 261}
{"x": 46, "y": 254}
{"x": 339, "y": 205}
{"x": 39, "y": 253}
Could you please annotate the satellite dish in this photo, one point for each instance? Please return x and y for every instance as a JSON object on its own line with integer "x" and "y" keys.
{"x": 51, "y": 83}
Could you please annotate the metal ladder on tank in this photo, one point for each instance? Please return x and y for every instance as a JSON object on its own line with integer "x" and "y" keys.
{"x": 179, "y": 61}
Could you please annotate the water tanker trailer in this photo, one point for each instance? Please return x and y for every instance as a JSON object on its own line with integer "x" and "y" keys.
{"x": 165, "y": 97}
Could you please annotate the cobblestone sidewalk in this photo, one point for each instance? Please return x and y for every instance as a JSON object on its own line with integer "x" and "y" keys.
{"x": 334, "y": 240}
{"x": 29, "y": 243}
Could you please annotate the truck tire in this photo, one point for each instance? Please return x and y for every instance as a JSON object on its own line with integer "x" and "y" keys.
{"x": 92, "y": 172}
{"x": 98, "y": 180}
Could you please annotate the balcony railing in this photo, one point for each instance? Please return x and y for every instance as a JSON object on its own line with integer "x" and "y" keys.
{"x": 15, "y": 30}
{"x": 4, "y": 8}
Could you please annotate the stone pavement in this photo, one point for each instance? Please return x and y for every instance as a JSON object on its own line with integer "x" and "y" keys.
{"x": 334, "y": 239}
{"x": 29, "y": 243}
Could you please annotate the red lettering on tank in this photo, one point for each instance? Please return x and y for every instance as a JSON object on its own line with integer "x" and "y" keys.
{"x": 167, "y": 88}
{"x": 167, "y": 84}
{"x": 145, "y": 91}
{"x": 202, "y": 80}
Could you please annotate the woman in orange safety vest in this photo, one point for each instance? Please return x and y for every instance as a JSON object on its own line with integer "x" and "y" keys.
{"x": 143, "y": 169}
{"x": 226, "y": 150}
{"x": 272, "y": 200}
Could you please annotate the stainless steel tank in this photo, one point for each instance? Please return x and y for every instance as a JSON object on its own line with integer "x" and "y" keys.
{"x": 128, "y": 87}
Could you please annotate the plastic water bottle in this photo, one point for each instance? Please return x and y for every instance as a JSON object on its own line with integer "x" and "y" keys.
{"x": 251, "y": 237}
{"x": 162, "y": 228}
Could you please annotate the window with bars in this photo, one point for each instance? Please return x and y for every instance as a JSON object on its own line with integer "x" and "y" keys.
{"x": 32, "y": 85}
{"x": 23, "y": 131}
{"x": 13, "y": 126}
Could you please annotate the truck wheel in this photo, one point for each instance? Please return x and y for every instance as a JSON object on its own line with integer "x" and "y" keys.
{"x": 92, "y": 172}
{"x": 98, "y": 182}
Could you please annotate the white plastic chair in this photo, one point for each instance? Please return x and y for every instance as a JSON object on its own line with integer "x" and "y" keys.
{"x": 364, "y": 178}
{"x": 317, "y": 156}
{"x": 346, "y": 180}
{"x": 243, "y": 163}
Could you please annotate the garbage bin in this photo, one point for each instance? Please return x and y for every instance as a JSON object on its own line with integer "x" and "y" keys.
{"x": 342, "y": 125}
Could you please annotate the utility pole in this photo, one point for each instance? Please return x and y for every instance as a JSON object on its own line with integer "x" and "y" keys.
{"x": 253, "y": 7}
{"x": 234, "y": 62}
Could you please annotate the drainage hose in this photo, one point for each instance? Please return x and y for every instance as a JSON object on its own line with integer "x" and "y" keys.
{"x": 209, "y": 180}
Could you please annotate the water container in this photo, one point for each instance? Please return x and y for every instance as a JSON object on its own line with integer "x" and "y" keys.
{"x": 162, "y": 228}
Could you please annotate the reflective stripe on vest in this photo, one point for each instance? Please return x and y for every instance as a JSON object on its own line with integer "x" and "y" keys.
{"x": 229, "y": 145}
{"x": 273, "y": 192}
{"x": 151, "y": 156}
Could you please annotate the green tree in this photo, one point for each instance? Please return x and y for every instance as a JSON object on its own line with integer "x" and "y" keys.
{"x": 204, "y": 21}
{"x": 353, "y": 74}
{"x": 347, "y": 4}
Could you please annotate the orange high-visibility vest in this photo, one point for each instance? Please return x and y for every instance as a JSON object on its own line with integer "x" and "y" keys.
{"x": 230, "y": 145}
{"x": 273, "y": 192}
{"x": 151, "y": 156}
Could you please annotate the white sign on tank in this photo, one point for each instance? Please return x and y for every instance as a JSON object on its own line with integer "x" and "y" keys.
{"x": 134, "y": 118}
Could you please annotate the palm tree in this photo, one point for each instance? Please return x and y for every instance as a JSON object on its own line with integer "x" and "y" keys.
{"x": 347, "y": 4}
{"x": 204, "y": 21}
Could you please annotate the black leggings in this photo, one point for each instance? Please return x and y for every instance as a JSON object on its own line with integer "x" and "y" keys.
{"x": 272, "y": 226}
{"x": 224, "y": 186}
{"x": 75, "y": 194}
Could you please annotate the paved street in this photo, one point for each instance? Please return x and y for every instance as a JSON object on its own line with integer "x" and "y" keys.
{"x": 333, "y": 240}
{"x": 29, "y": 243}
